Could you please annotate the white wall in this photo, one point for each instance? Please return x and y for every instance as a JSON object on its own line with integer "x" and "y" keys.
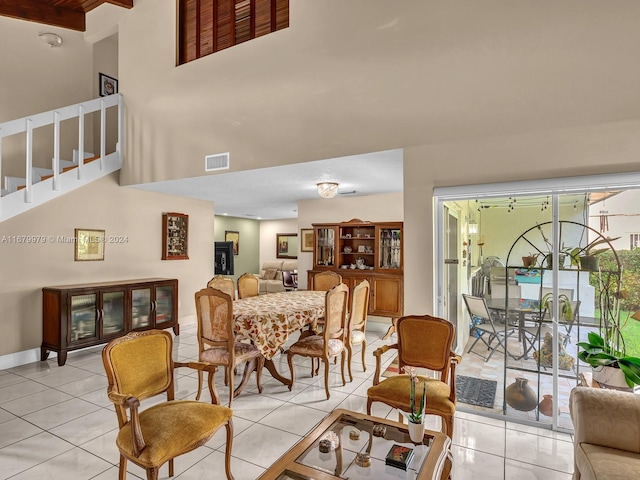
{"x": 268, "y": 231}
{"x": 131, "y": 214}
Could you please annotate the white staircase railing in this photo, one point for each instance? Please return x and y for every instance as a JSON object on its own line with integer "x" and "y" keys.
{"x": 25, "y": 193}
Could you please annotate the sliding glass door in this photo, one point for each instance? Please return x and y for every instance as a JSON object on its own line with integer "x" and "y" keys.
{"x": 521, "y": 254}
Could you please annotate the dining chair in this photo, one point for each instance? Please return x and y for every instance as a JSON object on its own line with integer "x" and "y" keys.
{"x": 357, "y": 322}
{"x": 423, "y": 342}
{"x": 224, "y": 284}
{"x": 139, "y": 365}
{"x": 217, "y": 343}
{"x": 289, "y": 281}
{"x": 485, "y": 329}
{"x": 331, "y": 342}
{"x": 326, "y": 280}
{"x": 248, "y": 285}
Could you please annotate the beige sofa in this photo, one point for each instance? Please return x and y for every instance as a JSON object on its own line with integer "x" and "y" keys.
{"x": 607, "y": 433}
{"x": 271, "y": 275}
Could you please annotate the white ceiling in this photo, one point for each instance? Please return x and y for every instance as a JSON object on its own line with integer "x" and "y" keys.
{"x": 273, "y": 193}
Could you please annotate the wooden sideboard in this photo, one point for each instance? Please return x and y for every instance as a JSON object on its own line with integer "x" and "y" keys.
{"x": 84, "y": 315}
{"x": 360, "y": 250}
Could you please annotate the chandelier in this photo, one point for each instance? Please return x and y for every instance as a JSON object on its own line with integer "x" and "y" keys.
{"x": 327, "y": 189}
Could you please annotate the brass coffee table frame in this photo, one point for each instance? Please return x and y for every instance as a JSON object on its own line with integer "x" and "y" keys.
{"x": 436, "y": 466}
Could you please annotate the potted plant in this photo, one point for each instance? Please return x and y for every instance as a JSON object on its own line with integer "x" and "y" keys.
{"x": 601, "y": 355}
{"x": 566, "y": 310}
{"x": 586, "y": 257}
{"x": 530, "y": 260}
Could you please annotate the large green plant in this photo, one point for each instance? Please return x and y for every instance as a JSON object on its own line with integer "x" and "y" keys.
{"x": 597, "y": 352}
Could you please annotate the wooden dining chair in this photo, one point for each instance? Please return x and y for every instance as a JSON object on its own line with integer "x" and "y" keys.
{"x": 331, "y": 342}
{"x": 224, "y": 284}
{"x": 217, "y": 343}
{"x": 325, "y": 281}
{"x": 248, "y": 285}
{"x": 140, "y": 366}
{"x": 357, "y": 323}
{"x": 423, "y": 342}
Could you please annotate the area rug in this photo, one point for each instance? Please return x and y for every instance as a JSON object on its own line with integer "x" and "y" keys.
{"x": 469, "y": 390}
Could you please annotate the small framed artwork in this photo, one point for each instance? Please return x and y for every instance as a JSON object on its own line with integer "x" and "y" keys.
{"x": 108, "y": 85}
{"x": 306, "y": 245}
{"x": 230, "y": 236}
{"x": 286, "y": 245}
{"x": 89, "y": 245}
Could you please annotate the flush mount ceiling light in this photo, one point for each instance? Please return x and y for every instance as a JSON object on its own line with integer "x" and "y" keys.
{"x": 327, "y": 189}
{"x": 51, "y": 39}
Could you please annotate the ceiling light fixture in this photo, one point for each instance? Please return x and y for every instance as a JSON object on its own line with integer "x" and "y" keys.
{"x": 51, "y": 39}
{"x": 327, "y": 189}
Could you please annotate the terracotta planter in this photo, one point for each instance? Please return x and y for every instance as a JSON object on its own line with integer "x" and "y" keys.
{"x": 529, "y": 262}
{"x": 545, "y": 406}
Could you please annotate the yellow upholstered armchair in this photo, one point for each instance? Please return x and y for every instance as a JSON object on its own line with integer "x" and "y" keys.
{"x": 423, "y": 342}
{"x": 139, "y": 366}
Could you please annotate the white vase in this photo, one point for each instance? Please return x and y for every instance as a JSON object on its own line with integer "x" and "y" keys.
{"x": 612, "y": 377}
{"x": 416, "y": 432}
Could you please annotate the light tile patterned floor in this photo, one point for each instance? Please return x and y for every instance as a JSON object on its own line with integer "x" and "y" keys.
{"x": 56, "y": 423}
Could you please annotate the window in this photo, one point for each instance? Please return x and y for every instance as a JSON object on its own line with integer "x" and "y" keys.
{"x": 208, "y": 26}
{"x": 634, "y": 241}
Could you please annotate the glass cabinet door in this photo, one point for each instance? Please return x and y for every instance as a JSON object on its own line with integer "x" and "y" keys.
{"x": 325, "y": 247}
{"x": 113, "y": 312}
{"x": 390, "y": 248}
{"x": 164, "y": 304}
{"x": 141, "y": 308}
{"x": 83, "y": 310}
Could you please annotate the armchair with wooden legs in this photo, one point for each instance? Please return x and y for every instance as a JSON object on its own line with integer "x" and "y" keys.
{"x": 357, "y": 323}
{"x": 139, "y": 366}
{"x": 423, "y": 342}
{"x": 217, "y": 340}
{"x": 331, "y": 342}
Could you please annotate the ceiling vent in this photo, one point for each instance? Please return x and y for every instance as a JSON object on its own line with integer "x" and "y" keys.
{"x": 219, "y": 161}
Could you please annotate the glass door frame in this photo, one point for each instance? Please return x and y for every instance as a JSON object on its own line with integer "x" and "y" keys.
{"x": 554, "y": 188}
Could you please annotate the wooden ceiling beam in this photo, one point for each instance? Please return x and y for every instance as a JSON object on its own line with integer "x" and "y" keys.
{"x": 64, "y": 13}
{"x": 41, "y": 12}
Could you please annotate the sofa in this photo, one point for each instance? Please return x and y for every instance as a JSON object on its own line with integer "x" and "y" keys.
{"x": 607, "y": 433}
{"x": 270, "y": 277}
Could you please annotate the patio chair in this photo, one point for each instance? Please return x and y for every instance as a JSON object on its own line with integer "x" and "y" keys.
{"x": 485, "y": 327}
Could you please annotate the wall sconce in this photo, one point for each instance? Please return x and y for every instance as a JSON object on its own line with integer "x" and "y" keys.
{"x": 327, "y": 189}
{"x": 51, "y": 39}
{"x": 473, "y": 228}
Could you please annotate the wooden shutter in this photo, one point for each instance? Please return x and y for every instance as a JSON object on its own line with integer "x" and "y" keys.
{"x": 207, "y": 26}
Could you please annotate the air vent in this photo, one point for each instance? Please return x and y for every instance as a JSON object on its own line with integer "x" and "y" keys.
{"x": 219, "y": 161}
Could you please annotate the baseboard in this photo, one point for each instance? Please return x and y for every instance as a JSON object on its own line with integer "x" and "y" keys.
{"x": 17, "y": 359}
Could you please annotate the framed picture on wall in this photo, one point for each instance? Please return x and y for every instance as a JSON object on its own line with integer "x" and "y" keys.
{"x": 230, "y": 236}
{"x": 89, "y": 245}
{"x": 108, "y": 85}
{"x": 306, "y": 243}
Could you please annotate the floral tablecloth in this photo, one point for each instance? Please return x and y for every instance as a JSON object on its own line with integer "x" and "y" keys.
{"x": 268, "y": 320}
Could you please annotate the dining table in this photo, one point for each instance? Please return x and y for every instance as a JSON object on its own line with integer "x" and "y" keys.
{"x": 269, "y": 320}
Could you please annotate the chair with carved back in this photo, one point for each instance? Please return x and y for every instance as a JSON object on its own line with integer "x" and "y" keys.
{"x": 423, "y": 342}
{"x": 224, "y": 284}
{"x": 331, "y": 342}
{"x": 326, "y": 280}
{"x": 248, "y": 285}
{"x": 140, "y": 366}
{"x": 217, "y": 343}
{"x": 357, "y": 323}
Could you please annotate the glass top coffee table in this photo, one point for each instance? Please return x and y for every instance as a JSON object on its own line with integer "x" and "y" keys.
{"x": 350, "y": 445}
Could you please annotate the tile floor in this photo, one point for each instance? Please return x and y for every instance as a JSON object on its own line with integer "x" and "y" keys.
{"x": 56, "y": 423}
